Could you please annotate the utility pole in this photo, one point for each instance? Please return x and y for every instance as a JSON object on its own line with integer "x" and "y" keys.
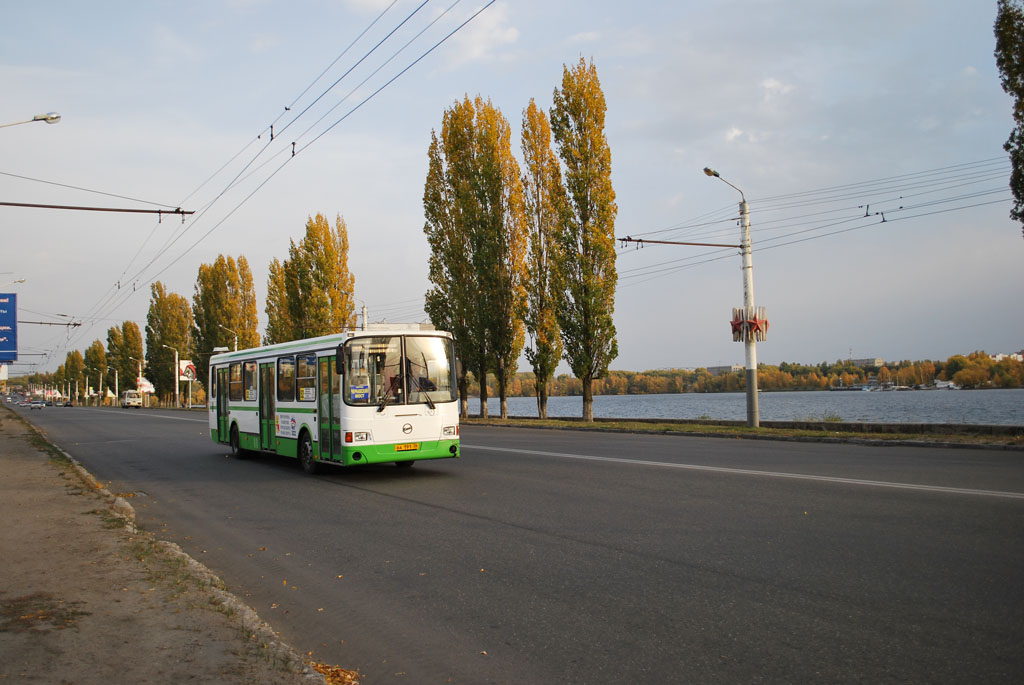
{"x": 748, "y": 323}
{"x": 177, "y": 376}
{"x": 117, "y": 388}
{"x": 750, "y": 344}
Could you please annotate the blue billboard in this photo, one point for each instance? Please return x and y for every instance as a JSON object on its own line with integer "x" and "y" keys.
{"x": 8, "y": 327}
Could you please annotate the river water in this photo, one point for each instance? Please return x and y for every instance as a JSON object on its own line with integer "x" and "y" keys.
{"x": 921, "y": 406}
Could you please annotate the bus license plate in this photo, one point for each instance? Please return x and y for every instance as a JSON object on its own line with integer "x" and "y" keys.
{"x": 407, "y": 447}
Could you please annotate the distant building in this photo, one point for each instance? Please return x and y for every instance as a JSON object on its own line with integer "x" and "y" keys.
{"x": 1000, "y": 357}
{"x": 864, "y": 363}
{"x": 719, "y": 370}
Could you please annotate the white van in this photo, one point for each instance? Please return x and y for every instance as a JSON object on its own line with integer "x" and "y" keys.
{"x": 131, "y": 398}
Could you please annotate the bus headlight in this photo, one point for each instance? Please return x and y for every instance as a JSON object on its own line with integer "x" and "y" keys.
{"x": 450, "y": 431}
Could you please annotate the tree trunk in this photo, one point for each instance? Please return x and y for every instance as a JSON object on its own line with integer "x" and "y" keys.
{"x": 588, "y": 399}
{"x": 542, "y": 399}
{"x": 463, "y": 395}
{"x": 483, "y": 393}
{"x": 503, "y": 396}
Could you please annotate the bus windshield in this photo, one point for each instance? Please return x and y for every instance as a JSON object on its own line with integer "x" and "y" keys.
{"x": 399, "y": 370}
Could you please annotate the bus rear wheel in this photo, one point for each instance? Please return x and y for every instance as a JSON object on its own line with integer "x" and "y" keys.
{"x": 309, "y": 463}
{"x": 236, "y": 447}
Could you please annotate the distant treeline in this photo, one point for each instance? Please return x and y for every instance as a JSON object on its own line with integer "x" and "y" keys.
{"x": 976, "y": 370}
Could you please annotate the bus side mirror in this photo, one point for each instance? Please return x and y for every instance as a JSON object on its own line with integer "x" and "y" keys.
{"x": 340, "y": 359}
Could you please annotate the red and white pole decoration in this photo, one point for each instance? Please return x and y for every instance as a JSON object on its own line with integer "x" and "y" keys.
{"x": 749, "y": 324}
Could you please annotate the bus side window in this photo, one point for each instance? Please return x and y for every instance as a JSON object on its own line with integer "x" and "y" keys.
{"x": 235, "y": 382}
{"x": 306, "y": 378}
{"x": 249, "y": 381}
{"x": 286, "y": 379}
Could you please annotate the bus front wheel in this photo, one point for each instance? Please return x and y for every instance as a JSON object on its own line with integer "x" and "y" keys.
{"x": 309, "y": 463}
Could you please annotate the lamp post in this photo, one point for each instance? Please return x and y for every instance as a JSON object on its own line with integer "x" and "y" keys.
{"x": 49, "y": 117}
{"x": 117, "y": 388}
{"x": 176, "y": 375}
{"x": 232, "y": 333}
{"x": 138, "y": 378}
{"x": 364, "y": 312}
{"x": 749, "y": 336}
{"x": 20, "y": 280}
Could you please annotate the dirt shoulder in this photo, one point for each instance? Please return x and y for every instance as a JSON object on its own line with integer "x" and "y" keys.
{"x": 87, "y": 598}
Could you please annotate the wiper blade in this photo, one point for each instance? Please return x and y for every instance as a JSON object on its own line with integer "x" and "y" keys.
{"x": 426, "y": 396}
{"x": 384, "y": 401}
{"x": 420, "y": 384}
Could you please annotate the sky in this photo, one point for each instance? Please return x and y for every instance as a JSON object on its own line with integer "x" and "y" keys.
{"x": 866, "y": 135}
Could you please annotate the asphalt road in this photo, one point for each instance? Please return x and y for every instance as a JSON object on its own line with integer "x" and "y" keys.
{"x": 563, "y": 556}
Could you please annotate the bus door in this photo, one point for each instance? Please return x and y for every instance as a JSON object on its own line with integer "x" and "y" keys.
{"x": 329, "y": 412}
{"x": 268, "y": 393}
{"x": 223, "y": 425}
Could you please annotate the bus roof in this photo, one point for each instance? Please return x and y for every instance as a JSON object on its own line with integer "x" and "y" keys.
{"x": 324, "y": 341}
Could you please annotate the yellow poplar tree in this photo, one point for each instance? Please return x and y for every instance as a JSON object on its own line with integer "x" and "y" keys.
{"x": 279, "y": 325}
{"x": 224, "y": 305}
{"x": 473, "y": 202}
{"x": 587, "y": 235}
{"x": 168, "y": 322}
{"x": 311, "y": 292}
{"x": 450, "y": 300}
{"x": 544, "y": 207}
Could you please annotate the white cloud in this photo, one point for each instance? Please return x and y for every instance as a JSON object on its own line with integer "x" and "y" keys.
{"x": 263, "y": 42}
{"x": 773, "y": 88}
{"x": 481, "y": 38}
{"x": 171, "y": 49}
{"x": 584, "y": 37}
{"x": 733, "y": 133}
{"x": 365, "y": 6}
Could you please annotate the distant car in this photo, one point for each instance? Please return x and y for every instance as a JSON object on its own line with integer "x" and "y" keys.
{"x": 131, "y": 398}
{"x": 36, "y": 404}
{"x": 68, "y": 404}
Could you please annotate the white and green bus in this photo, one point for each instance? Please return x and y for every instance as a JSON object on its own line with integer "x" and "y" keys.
{"x": 386, "y": 394}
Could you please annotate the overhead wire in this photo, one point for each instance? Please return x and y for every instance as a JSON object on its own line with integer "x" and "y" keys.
{"x": 873, "y": 204}
{"x": 112, "y": 293}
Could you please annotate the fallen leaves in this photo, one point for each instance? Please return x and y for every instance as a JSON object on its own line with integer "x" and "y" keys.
{"x": 336, "y": 675}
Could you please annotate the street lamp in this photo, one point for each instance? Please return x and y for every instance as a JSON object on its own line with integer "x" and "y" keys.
{"x": 750, "y": 324}
{"x": 117, "y": 388}
{"x": 177, "y": 374}
{"x": 232, "y": 333}
{"x": 49, "y": 117}
{"x": 138, "y": 379}
{"x": 364, "y": 312}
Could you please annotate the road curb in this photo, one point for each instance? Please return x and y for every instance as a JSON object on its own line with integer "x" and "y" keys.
{"x": 868, "y": 442}
{"x": 255, "y": 627}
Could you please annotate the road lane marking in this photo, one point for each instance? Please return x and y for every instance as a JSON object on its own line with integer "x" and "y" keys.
{"x": 150, "y": 416}
{"x": 110, "y": 442}
{"x": 769, "y": 474}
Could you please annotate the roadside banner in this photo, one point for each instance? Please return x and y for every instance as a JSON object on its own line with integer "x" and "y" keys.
{"x": 8, "y": 327}
{"x": 186, "y": 370}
